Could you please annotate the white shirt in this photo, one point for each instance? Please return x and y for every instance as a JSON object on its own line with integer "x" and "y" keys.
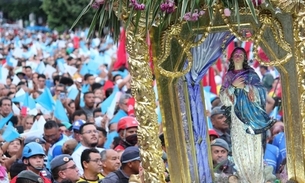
{"x": 76, "y": 157}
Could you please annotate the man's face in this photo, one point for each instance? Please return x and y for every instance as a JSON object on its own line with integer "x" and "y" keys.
{"x": 101, "y": 139}
{"x": 89, "y": 100}
{"x": 59, "y": 89}
{"x": 3, "y": 90}
{"x": 130, "y": 131}
{"x": 134, "y": 166}
{"x": 36, "y": 161}
{"x": 98, "y": 114}
{"x": 81, "y": 117}
{"x": 28, "y": 72}
{"x": 112, "y": 162}
{"x": 41, "y": 82}
{"x": 90, "y": 80}
{"x": 219, "y": 123}
{"x": 6, "y": 107}
{"x": 94, "y": 165}
{"x": 51, "y": 135}
{"x": 124, "y": 105}
{"x": 89, "y": 136}
{"x": 70, "y": 172}
{"x": 219, "y": 154}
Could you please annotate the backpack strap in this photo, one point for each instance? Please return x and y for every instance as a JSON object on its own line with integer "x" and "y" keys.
{"x": 122, "y": 178}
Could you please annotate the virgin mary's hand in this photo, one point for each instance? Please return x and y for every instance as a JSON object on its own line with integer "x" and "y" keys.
{"x": 239, "y": 82}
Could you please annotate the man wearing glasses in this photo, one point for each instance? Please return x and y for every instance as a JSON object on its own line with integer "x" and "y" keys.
{"x": 88, "y": 139}
{"x": 64, "y": 169}
{"x": 92, "y": 164}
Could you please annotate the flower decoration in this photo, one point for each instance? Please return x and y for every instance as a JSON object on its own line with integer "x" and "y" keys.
{"x": 156, "y": 12}
{"x": 227, "y": 12}
{"x": 168, "y": 6}
{"x": 193, "y": 16}
{"x": 136, "y": 5}
{"x": 97, "y": 3}
{"x": 257, "y": 2}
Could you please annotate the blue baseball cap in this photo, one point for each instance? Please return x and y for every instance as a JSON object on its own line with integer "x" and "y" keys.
{"x": 77, "y": 124}
{"x": 130, "y": 154}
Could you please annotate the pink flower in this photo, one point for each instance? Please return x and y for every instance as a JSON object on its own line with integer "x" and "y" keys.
{"x": 193, "y": 16}
{"x": 258, "y": 2}
{"x": 94, "y": 5}
{"x": 168, "y": 6}
{"x": 100, "y": 2}
{"x": 136, "y": 5}
{"x": 227, "y": 12}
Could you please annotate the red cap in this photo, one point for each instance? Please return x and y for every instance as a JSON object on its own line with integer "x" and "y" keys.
{"x": 127, "y": 122}
{"x": 108, "y": 84}
{"x": 213, "y": 132}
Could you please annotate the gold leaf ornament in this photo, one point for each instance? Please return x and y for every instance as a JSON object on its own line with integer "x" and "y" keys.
{"x": 289, "y": 5}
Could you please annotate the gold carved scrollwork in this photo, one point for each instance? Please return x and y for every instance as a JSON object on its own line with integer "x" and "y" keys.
{"x": 299, "y": 36}
{"x": 145, "y": 107}
{"x": 267, "y": 20}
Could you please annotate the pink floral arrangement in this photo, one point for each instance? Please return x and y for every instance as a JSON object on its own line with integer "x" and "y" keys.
{"x": 168, "y": 6}
{"x": 193, "y": 16}
{"x": 136, "y": 5}
{"x": 97, "y": 3}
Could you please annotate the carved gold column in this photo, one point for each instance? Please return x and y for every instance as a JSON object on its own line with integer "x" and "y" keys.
{"x": 299, "y": 37}
{"x": 145, "y": 106}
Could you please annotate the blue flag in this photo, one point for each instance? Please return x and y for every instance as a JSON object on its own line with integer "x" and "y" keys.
{"x": 106, "y": 103}
{"x": 85, "y": 88}
{"x": 41, "y": 68}
{"x": 29, "y": 102}
{"x": 84, "y": 70}
{"x": 46, "y": 100}
{"x": 73, "y": 93}
{"x": 118, "y": 116}
{"x": 10, "y": 133}
{"x": 3, "y": 121}
{"x": 60, "y": 112}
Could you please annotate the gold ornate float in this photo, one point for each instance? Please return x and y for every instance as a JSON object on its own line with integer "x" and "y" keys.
{"x": 276, "y": 25}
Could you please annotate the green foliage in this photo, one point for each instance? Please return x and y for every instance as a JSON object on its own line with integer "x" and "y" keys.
{"x": 20, "y": 9}
{"x": 62, "y": 13}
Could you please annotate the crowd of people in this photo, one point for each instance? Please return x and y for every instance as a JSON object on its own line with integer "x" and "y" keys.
{"x": 67, "y": 104}
{"x": 67, "y": 113}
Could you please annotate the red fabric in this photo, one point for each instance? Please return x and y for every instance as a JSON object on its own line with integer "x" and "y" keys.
{"x": 45, "y": 179}
{"x": 76, "y": 42}
{"x": 262, "y": 55}
{"x": 219, "y": 65}
{"x": 108, "y": 84}
{"x": 23, "y": 111}
{"x": 3, "y": 61}
{"x": 213, "y": 132}
{"x": 121, "y": 54}
{"x": 205, "y": 80}
{"x": 131, "y": 104}
{"x": 247, "y": 48}
{"x": 212, "y": 82}
{"x": 150, "y": 53}
{"x": 119, "y": 148}
{"x": 230, "y": 49}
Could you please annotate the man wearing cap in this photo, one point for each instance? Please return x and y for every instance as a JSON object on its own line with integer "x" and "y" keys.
{"x": 213, "y": 134}
{"x": 131, "y": 164}
{"x": 127, "y": 129}
{"x": 27, "y": 176}
{"x": 220, "y": 150}
{"x": 32, "y": 156}
{"x": 76, "y": 133}
{"x": 220, "y": 125}
{"x": 63, "y": 168}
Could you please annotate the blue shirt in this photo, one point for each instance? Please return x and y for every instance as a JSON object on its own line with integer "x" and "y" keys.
{"x": 60, "y": 142}
{"x": 272, "y": 157}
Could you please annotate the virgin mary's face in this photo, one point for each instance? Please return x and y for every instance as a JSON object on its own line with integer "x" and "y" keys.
{"x": 238, "y": 57}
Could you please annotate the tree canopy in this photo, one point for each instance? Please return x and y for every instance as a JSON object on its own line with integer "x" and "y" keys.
{"x": 20, "y": 9}
{"x": 61, "y": 14}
